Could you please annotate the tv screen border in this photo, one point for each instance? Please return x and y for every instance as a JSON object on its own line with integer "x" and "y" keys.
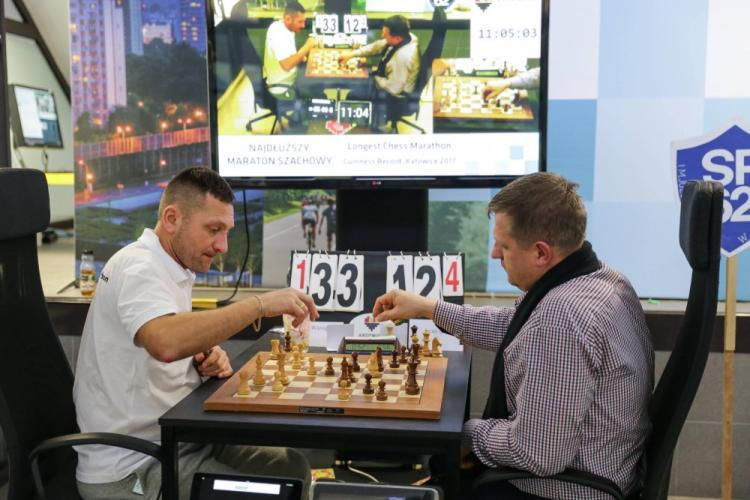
{"x": 15, "y": 118}
{"x": 372, "y": 182}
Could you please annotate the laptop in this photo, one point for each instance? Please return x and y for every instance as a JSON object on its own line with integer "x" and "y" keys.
{"x": 209, "y": 486}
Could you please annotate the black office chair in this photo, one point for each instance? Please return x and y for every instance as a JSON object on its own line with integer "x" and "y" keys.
{"x": 400, "y": 108}
{"x": 700, "y": 236}
{"x": 37, "y": 415}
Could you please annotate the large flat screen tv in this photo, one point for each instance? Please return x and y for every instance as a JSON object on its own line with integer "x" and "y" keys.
{"x": 458, "y": 100}
{"x": 33, "y": 115}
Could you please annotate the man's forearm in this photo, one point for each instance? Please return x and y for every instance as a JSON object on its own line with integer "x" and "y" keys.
{"x": 181, "y": 335}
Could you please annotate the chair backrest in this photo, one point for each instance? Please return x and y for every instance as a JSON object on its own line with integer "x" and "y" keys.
{"x": 433, "y": 50}
{"x": 700, "y": 236}
{"x": 36, "y": 381}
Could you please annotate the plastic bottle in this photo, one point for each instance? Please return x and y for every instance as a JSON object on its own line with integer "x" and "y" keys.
{"x": 87, "y": 274}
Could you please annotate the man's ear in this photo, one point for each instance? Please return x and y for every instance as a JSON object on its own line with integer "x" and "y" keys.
{"x": 171, "y": 218}
{"x": 544, "y": 253}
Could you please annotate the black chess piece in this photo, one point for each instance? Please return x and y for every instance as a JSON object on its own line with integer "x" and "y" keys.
{"x": 381, "y": 395}
{"x": 402, "y": 359}
{"x": 288, "y": 342}
{"x": 355, "y": 364}
{"x": 394, "y": 359}
{"x": 344, "y": 370}
{"x": 368, "y": 389}
{"x": 329, "y": 371}
{"x": 379, "y": 355}
{"x": 411, "y": 387}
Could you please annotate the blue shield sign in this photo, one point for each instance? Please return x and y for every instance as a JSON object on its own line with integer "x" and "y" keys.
{"x": 722, "y": 156}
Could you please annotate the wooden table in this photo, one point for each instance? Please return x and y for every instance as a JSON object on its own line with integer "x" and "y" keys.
{"x": 188, "y": 422}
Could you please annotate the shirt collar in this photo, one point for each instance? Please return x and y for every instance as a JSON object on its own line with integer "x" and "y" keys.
{"x": 178, "y": 273}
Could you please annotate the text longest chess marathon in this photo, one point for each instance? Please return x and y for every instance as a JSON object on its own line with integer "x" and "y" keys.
{"x": 286, "y": 380}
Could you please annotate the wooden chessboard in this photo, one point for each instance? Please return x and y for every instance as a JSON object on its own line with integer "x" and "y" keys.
{"x": 318, "y": 394}
{"x": 324, "y": 63}
{"x": 461, "y": 97}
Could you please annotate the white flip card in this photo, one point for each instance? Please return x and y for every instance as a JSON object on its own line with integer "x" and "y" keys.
{"x": 323, "y": 280}
{"x": 427, "y": 276}
{"x": 300, "y": 276}
{"x": 453, "y": 276}
{"x": 399, "y": 272}
{"x": 350, "y": 282}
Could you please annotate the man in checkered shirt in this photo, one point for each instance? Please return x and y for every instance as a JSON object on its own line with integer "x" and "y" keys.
{"x": 571, "y": 385}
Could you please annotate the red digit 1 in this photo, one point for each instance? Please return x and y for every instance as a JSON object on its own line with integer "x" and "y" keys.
{"x": 452, "y": 276}
{"x": 301, "y": 267}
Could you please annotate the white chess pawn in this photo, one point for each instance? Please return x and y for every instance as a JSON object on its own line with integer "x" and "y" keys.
{"x": 259, "y": 379}
{"x": 244, "y": 388}
{"x": 277, "y": 385}
{"x": 275, "y": 344}
{"x": 311, "y": 370}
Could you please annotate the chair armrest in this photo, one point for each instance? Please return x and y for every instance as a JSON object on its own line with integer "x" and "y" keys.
{"x": 568, "y": 475}
{"x": 288, "y": 91}
{"x": 105, "y": 438}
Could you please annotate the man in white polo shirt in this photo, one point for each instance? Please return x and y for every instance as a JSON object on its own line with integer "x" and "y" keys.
{"x": 281, "y": 57}
{"x": 143, "y": 349}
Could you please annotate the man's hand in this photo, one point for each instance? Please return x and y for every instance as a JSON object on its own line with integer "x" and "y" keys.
{"x": 310, "y": 44}
{"x": 344, "y": 58}
{"x": 398, "y": 304}
{"x": 468, "y": 460}
{"x": 494, "y": 90}
{"x": 213, "y": 363}
{"x": 289, "y": 301}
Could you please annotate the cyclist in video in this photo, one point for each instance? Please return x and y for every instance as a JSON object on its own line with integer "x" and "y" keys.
{"x": 310, "y": 219}
{"x": 329, "y": 217}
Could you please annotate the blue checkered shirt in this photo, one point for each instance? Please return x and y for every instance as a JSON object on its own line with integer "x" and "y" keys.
{"x": 578, "y": 379}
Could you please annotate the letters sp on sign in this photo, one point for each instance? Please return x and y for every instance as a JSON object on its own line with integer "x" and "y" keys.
{"x": 722, "y": 156}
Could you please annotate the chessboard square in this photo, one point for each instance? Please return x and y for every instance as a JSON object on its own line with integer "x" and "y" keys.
{"x": 391, "y": 399}
{"x": 291, "y": 395}
{"x": 326, "y": 380}
{"x": 393, "y": 387}
{"x": 269, "y": 372}
{"x": 318, "y": 390}
{"x": 237, "y": 395}
{"x": 299, "y": 383}
{"x": 333, "y": 397}
{"x": 267, "y": 388}
{"x": 393, "y": 376}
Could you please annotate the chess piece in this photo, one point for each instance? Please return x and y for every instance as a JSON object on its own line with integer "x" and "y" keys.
{"x": 277, "y": 385}
{"x": 414, "y": 338}
{"x": 436, "y": 351}
{"x": 244, "y": 388}
{"x": 381, "y": 395}
{"x": 275, "y": 348}
{"x": 415, "y": 353}
{"x": 282, "y": 369}
{"x": 344, "y": 390}
{"x": 402, "y": 358}
{"x": 311, "y": 367}
{"x": 389, "y": 327}
{"x": 259, "y": 379}
{"x": 372, "y": 366}
{"x": 288, "y": 342}
{"x": 368, "y": 388}
{"x": 355, "y": 365}
{"x": 344, "y": 370}
{"x": 394, "y": 359}
{"x": 297, "y": 358}
{"x": 426, "y": 349}
{"x": 329, "y": 367}
{"x": 411, "y": 387}
{"x": 379, "y": 357}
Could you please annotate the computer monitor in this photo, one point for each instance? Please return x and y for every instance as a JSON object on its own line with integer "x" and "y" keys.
{"x": 334, "y": 129}
{"x": 33, "y": 116}
{"x": 210, "y": 486}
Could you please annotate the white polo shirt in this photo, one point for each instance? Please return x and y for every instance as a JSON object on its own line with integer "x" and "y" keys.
{"x": 118, "y": 386}
{"x": 279, "y": 45}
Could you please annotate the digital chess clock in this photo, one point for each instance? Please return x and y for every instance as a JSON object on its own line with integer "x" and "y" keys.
{"x": 368, "y": 345}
